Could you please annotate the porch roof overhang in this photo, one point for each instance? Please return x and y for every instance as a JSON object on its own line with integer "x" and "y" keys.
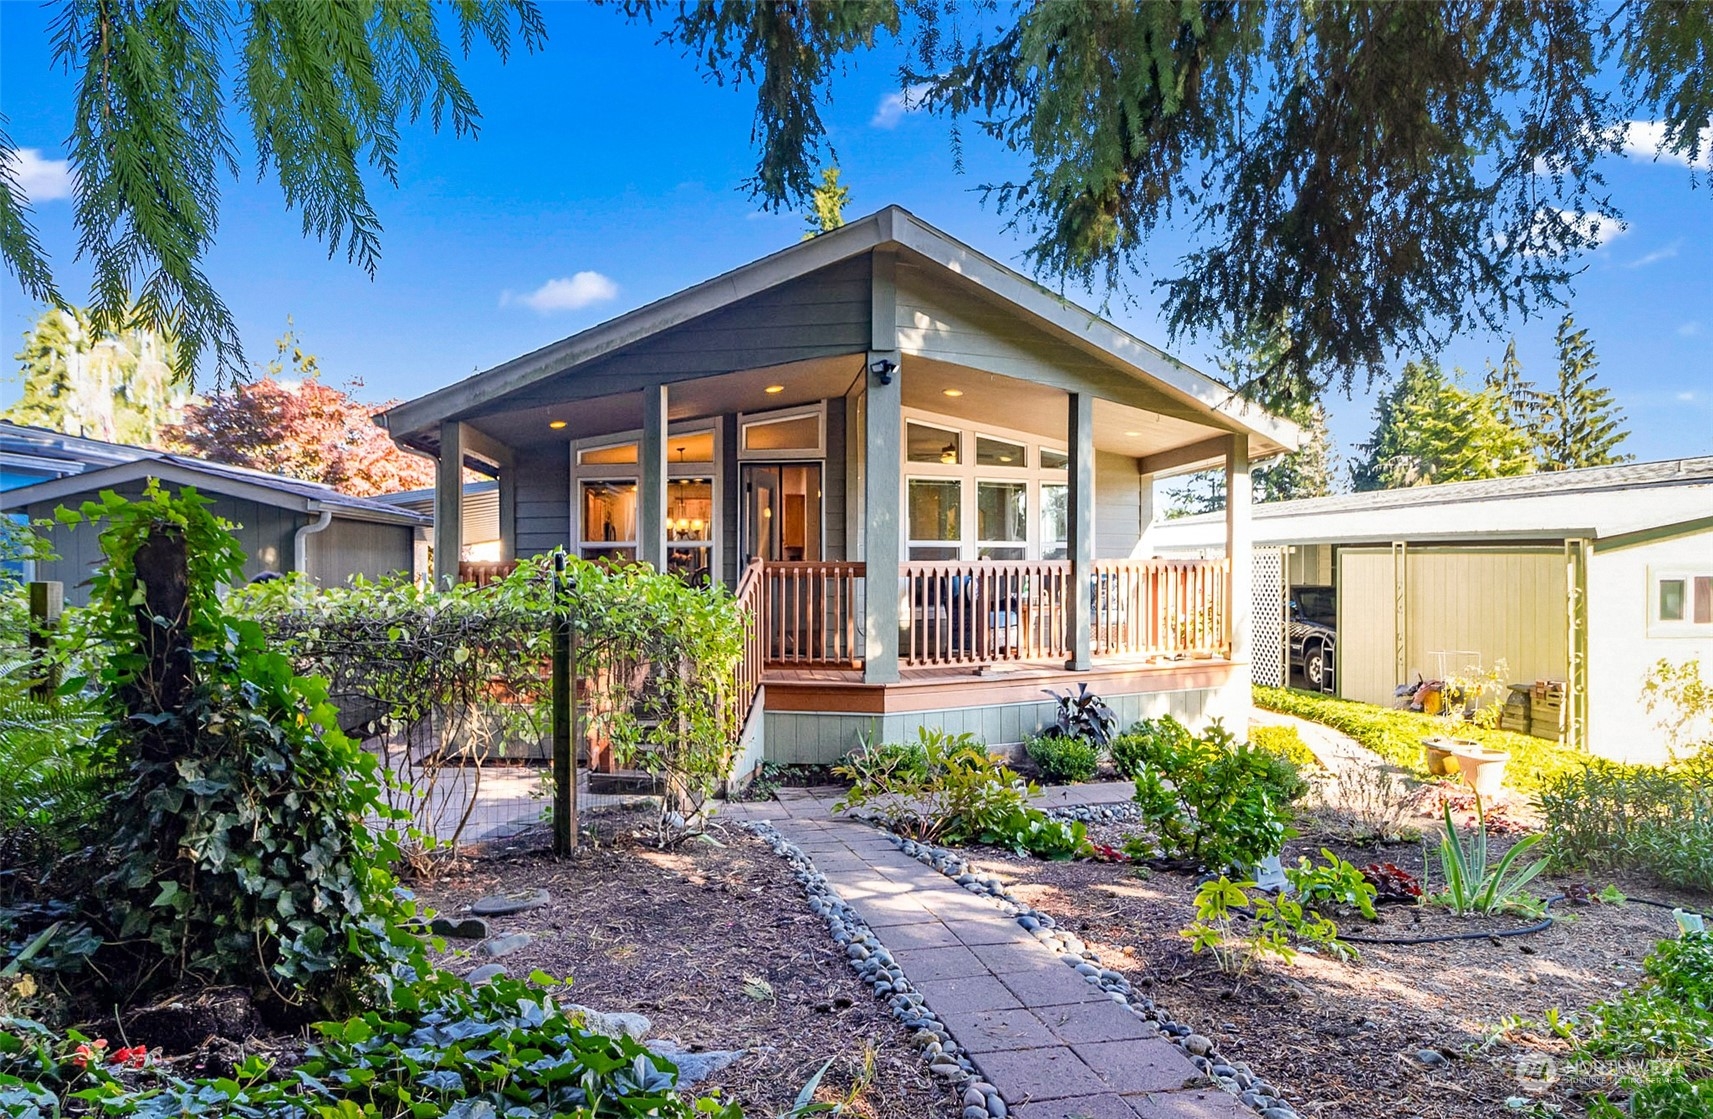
{"x": 1208, "y": 409}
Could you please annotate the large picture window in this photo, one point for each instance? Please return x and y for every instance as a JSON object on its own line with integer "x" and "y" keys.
{"x": 980, "y": 492}
{"x": 607, "y": 484}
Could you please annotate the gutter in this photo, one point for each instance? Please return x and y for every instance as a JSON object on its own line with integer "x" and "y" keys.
{"x": 300, "y": 540}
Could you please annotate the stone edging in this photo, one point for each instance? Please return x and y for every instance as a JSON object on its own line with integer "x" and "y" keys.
{"x": 1234, "y": 1076}
{"x": 874, "y": 964}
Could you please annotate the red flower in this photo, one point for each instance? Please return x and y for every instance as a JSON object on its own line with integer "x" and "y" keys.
{"x": 88, "y": 1051}
{"x": 134, "y": 1056}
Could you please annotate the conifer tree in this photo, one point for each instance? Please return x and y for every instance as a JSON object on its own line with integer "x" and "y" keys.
{"x": 84, "y": 381}
{"x": 827, "y": 204}
{"x": 1578, "y": 424}
{"x": 1428, "y": 428}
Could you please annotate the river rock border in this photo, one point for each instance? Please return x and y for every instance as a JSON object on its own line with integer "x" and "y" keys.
{"x": 872, "y": 962}
{"x": 1235, "y": 1077}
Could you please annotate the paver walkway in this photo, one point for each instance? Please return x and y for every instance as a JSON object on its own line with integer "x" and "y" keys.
{"x": 1055, "y": 1046}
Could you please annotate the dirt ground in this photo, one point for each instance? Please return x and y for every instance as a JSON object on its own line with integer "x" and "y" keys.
{"x": 1347, "y": 1041}
{"x": 677, "y": 936}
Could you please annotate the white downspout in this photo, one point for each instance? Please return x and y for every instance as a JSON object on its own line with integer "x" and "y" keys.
{"x": 300, "y": 542}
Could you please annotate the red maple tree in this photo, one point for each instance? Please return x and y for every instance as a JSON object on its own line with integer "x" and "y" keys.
{"x": 300, "y": 428}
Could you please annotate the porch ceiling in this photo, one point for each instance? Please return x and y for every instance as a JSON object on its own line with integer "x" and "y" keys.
{"x": 1008, "y": 402}
{"x": 745, "y": 391}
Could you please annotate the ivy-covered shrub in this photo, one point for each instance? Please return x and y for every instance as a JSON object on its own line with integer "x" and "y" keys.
{"x": 1611, "y": 816}
{"x": 441, "y": 1047}
{"x": 235, "y": 848}
{"x": 1148, "y": 742}
{"x": 1215, "y": 801}
{"x": 947, "y": 788}
{"x": 1063, "y": 760}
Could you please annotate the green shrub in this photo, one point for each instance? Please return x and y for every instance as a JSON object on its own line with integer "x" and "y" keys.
{"x": 1668, "y": 1018}
{"x": 948, "y": 788}
{"x": 1669, "y": 1095}
{"x": 1148, "y": 742}
{"x": 442, "y": 1048}
{"x": 1610, "y": 816}
{"x": 1337, "y": 883}
{"x": 1397, "y": 735}
{"x": 1285, "y": 742}
{"x": 1275, "y": 925}
{"x": 1063, "y": 760}
{"x": 1217, "y": 801}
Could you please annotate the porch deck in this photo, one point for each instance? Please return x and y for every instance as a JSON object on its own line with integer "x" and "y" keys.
{"x": 837, "y": 689}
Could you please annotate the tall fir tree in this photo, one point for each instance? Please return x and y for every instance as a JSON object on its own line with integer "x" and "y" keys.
{"x": 1577, "y": 424}
{"x": 827, "y": 204}
{"x": 84, "y": 381}
{"x": 1514, "y": 395}
{"x": 1428, "y": 428}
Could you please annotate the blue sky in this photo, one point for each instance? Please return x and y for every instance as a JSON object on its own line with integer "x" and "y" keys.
{"x": 608, "y": 174}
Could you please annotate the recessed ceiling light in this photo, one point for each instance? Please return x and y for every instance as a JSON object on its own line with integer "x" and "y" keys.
{"x": 951, "y": 392}
{"x": 774, "y": 388}
{"x": 555, "y": 424}
{"x": 1133, "y": 433}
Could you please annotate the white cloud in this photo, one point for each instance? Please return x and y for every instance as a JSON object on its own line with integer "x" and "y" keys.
{"x": 42, "y": 179}
{"x": 567, "y": 293}
{"x": 1686, "y": 397}
{"x": 1641, "y": 140}
{"x": 1656, "y": 256}
{"x": 893, "y": 106}
{"x": 1689, "y": 329}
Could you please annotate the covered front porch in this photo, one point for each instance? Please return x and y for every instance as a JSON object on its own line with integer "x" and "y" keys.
{"x": 927, "y": 480}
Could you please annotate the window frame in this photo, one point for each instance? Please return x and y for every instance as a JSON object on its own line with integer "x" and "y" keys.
{"x": 780, "y": 415}
{"x": 1686, "y": 626}
{"x": 629, "y": 471}
{"x": 971, "y": 476}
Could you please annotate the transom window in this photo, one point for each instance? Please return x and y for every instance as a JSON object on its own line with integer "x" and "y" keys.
{"x": 607, "y": 486}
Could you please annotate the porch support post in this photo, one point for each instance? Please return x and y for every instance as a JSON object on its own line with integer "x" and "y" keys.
{"x": 1145, "y": 520}
{"x": 883, "y": 481}
{"x": 882, "y": 435}
{"x": 449, "y": 504}
{"x": 507, "y": 479}
{"x": 1239, "y": 544}
{"x": 1079, "y": 611}
{"x": 651, "y": 506}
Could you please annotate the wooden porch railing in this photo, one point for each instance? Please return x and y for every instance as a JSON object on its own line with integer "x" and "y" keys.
{"x": 754, "y": 660}
{"x": 809, "y": 612}
{"x": 956, "y": 613}
{"x": 1159, "y": 607}
{"x": 481, "y": 574}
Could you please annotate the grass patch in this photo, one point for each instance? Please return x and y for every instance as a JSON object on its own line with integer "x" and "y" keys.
{"x": 1397, "y": 735}
{"x": 1285, "y": 742}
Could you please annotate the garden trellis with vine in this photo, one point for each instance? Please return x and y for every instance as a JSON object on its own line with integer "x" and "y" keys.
{"x": 446, "y": 679}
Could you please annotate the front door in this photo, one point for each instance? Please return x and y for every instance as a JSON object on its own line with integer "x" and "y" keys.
{"x": 782, "y": 511}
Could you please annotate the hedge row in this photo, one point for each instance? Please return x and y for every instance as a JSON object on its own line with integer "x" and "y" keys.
{"x": 1397, "y": 735}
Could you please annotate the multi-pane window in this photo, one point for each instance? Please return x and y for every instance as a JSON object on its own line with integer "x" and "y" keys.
{"x": 935, "y": 518}
{"x": 1682, "y": 602}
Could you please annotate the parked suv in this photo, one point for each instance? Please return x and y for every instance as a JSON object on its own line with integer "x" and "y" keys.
{"x": 1314, "y": 630}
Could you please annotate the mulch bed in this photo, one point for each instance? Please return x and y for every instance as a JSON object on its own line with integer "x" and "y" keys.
{"x": 674, "y": 935}
{"x": 1348, "y": 1041}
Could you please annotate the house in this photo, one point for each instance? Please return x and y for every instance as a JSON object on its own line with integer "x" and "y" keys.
{"x": 480, "y": 513}
{"x": 1586, "y": 577}
{"x": 283, "y": 524}
{"x": 925, "y": 476}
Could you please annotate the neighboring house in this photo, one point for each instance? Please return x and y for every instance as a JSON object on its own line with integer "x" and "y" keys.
{"x": 283, "y": 524}
{"x": 925, "y": 475}
{"x": 1589, "y": 577}
{"x": 481, "y": 517}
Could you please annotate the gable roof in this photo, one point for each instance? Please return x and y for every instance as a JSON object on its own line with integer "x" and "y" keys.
{"x": 892, "y": 227}
{"x": 214, "y": 477}
{"x": 39, "y": 449}
{"x": 1596, "y": 502}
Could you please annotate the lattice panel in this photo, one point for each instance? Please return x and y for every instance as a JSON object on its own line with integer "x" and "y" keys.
{"x": 1269, "y": 661}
